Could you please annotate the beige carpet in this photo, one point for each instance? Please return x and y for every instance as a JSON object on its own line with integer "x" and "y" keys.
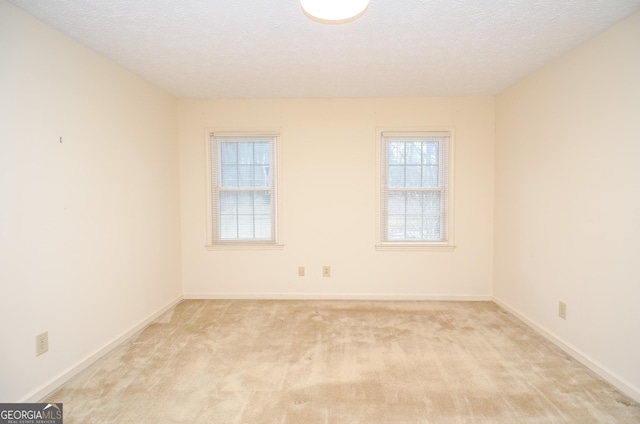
{"x": 340, "y": 362}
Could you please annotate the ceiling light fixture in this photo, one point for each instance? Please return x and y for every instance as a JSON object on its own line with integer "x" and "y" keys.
{"x": 334, "y": 11}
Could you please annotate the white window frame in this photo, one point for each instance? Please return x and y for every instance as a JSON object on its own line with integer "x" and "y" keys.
{"x": 448, "y": 211}
{"x": 214, "y": 241}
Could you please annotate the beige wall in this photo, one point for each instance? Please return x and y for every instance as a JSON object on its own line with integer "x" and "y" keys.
{"x": 328, "y": 192}
{"x": 89, "y": 228}
{"x": 567, "y": 208}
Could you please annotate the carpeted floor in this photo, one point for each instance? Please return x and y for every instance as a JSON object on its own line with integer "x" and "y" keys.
{"x": 247, "y": 361}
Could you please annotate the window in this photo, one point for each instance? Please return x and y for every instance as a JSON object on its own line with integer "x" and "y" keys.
{"x": 415, "y": 192}
{"x": 243, "y": 195}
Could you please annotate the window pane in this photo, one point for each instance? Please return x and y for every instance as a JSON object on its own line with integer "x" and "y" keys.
{"x": 229, "y": 175}
{"x": 396, "y": 153}
{"x": 229, "y": 153}
{"x": 245, "y": 226}
{"x": 414, "y": 227}
{"x": 413, "y": 153}
{"x": 430, "y": 152}
{"x": 430, "y": 175}
{"x": 414, "y": 203}
{"x": 228, "y": 203}
{"x": 432, "y": 228}
{"x": 396, "y": 176}
{"x": 228, "y": 227}
{"x": 414, "y": 176}
{"x": 263, "y": 227}
{"x": 245, "y": 153}
{"x": 261, "y": 176}
{"x": 432, "y": 210}
{"x": 245, "y": 176}
{"x": 262, "y": 153}
{"x": 432, "y": 204}
{"x": 245, "y": 203}
{"x": 396, "y": 203}
{"x": 396, "y": 230}
{"x": 262, "y": 203}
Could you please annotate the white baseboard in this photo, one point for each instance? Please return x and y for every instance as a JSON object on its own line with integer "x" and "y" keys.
{"x": 336, "y": 296}
{"x": 74, "y": 370}
{"x": 622, "y": 385}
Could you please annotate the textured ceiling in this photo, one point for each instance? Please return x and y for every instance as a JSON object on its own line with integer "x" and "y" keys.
{"x": 271, "y": 49}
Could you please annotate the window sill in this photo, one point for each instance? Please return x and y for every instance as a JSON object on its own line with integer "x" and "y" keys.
{"x": 245, "y": 246}
{"x": 415, "y": 247}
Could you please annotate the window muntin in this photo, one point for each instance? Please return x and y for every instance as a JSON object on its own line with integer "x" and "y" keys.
{"x": 243, "y": 188}
{"x": 415, "y": 188}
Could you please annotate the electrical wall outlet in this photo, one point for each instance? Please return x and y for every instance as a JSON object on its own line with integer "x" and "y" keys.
{"x": 42, "y": 343}
{"x": 326, "y": 271}
{"x": 300, "y": 271}
{"x": 562, "y": 310}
